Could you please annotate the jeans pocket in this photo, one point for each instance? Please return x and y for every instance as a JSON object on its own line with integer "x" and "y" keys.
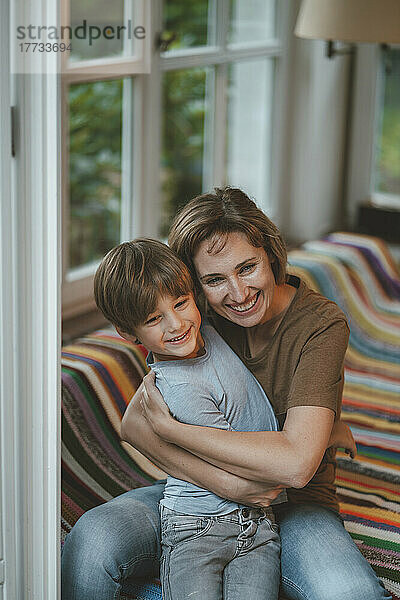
{"x": 187, "y": 528}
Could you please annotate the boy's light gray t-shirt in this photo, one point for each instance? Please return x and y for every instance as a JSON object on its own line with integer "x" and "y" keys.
{"x": 215, "y": 390}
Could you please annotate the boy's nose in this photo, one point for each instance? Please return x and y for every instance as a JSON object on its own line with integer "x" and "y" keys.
{"x": 175, "y": 323}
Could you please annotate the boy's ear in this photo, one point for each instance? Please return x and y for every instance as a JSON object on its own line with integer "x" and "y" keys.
{"x": 128, "y": 337}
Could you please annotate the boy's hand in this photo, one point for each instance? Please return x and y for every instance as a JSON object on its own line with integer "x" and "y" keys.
{"x": 154, "y": 409}
{"x": 341, "y": 437}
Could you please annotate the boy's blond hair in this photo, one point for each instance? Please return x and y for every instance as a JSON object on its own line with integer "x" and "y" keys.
{"x": 133, "y": 276}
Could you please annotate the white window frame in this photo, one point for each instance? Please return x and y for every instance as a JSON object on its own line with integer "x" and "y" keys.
{"x": 140, "y": 192}
{"x": 364, "y": 127}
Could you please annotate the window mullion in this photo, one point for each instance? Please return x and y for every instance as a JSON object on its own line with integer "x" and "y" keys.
{"x": 209, "y": 131}
{"x": 220, "y": 124}
{"x": 279, "y": 133}
{"x": 128, "y": 132}
{"x": 149, "y": 198}
{"x": 132, "y": 137}
{"x": 208, "y": 56}
{"x": 215, "y": 133}
{"x": 222, "y": 16}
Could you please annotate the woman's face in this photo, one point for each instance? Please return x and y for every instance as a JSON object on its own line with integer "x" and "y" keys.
{"x": 237, "y": 281}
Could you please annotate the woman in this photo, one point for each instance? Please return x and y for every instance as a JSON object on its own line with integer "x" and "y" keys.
{"x": 294, "y": 342}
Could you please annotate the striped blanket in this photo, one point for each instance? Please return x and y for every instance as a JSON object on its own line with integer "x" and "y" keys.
{"x": 101, "y": 371}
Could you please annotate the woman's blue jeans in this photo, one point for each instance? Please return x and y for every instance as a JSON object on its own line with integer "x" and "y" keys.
{"x": 120, "y": 541}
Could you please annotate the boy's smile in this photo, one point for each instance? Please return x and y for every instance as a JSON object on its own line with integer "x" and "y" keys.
{"x": 172, "y": 331}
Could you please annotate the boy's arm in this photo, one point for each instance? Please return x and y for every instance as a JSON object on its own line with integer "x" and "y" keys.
{"x": 341, "y": 437}
{"x": 181, "y": 464}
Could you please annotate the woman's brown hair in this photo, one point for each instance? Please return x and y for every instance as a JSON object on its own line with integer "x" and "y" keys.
{"x": 213, "y": 216}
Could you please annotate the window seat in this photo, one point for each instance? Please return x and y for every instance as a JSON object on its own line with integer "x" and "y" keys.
{"x": 101, "y": 371}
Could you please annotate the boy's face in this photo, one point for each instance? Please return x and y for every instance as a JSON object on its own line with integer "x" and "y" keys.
{"x": 171, "y": 332}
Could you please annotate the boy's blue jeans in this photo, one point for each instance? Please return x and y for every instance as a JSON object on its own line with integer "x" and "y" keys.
{"x": 121, "y": 539}
{"x": 228, "y": 557}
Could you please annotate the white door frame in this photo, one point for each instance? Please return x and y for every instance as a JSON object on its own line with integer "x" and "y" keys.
{"x": 9, "y": 550}
{"x": 30, "y": 317}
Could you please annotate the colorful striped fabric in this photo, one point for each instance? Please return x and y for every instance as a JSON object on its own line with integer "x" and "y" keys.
{"x": 360, "y": 275}
{"x": 101, "y": 371}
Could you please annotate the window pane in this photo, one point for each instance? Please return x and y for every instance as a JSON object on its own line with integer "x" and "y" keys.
{"x": 99, "y": 14}
{"x": 95, "y": 119}
{"x": 184, "y": 106}
{"x": 188, "y": 21}
{"x": 387, "y": 163}
{"x": 252, "y": 21}
{"x": 249, "y": 127}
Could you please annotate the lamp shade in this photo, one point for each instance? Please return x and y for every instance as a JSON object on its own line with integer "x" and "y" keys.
{"x": 350, "y": 20}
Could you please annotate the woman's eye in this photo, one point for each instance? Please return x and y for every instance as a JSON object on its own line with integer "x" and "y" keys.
{"x": 214, "y": 281}
{"x": 247, "y": 268}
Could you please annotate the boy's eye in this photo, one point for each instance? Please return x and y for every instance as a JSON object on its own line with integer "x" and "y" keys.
{"x": 181, "y": 303}
{"x": 152, "y": 320}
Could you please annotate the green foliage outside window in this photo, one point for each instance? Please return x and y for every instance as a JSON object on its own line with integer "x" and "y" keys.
{"x": 95, "y": 122}
{"x": 183, "y": 140}
{"x": 188, "y": 20}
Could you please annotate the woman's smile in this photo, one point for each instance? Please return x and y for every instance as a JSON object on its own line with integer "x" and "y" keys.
{"x": 247, "y": 306}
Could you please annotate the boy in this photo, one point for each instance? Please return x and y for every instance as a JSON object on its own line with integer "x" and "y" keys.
{"x": 212, "y": 547}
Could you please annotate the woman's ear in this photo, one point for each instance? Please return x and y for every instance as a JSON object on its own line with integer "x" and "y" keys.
{"x": 128, "y": 337}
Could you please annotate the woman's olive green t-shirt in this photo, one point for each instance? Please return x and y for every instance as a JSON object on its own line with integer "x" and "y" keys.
{"x": 300, "y": 364}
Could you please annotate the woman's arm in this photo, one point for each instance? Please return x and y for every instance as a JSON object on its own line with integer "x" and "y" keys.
{"x": 288, "y": 458}
{"x": 179, "y": 463}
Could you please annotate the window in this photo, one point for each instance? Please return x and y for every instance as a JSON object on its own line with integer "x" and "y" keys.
{"x": 139, "y": 145}
{"x": 95, "y": 140}
{"x": 99, "y": 82}
{"x": 386, "y": 169}
{"x": 374, "y": 171}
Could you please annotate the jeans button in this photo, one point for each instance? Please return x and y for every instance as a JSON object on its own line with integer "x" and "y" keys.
{"x": 245, "y": 513}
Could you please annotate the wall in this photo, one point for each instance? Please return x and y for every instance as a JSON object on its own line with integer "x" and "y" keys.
{"x": 311, "y": 188}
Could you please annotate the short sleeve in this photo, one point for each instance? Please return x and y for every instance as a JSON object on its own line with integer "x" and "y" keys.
{"x": 194, "y": 405}
{"x": 318, "y": 378}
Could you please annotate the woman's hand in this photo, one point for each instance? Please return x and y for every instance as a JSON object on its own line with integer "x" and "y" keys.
{"x": 341, "y": 437}
{"x": 255, "y": 493}
{"x": 137, "y": 431}
{"x": 154, "y": 409}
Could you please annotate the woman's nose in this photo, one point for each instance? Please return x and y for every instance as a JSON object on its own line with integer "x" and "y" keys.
{"x": 237, "y": 290}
